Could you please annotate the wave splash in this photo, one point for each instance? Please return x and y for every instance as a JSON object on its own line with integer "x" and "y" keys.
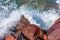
{"x": 10, "y": 15}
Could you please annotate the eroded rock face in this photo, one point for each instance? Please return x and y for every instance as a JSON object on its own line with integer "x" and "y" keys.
{"x": 54, "y": 31}
{"x": 10, "y": 37}
{"x": 28, "y": 31}
{"x": 56, "y": 25}
{"x": 55, "y": 35}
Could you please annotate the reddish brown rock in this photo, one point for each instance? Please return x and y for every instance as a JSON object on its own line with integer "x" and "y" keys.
{"x": 28, "y": 31}
{"x": 56, "y": 25}
{"x": 54, "y": 31}
{"x": 55, "y": 35}
{"x": 10, "y": 37}
{"x": 57, "y": 21}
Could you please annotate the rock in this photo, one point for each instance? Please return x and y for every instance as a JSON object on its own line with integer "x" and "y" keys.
{"x": 10, "y": 37}
{"x": 55, "y": 35}
{"x": 54, "y": 31}
{"x": 27, "y": 31}
{"x": 56, "y": 25}
{"x": 46, "y": 4}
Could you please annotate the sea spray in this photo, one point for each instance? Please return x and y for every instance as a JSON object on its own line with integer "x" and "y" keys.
{"x": 10, "y": 16}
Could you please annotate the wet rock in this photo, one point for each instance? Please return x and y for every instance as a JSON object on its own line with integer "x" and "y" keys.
{"x": 10, "y": 37}
{"x": 54, "y": 31}
{"x": 30, "y": 31}
{"x": 27, "y": 31}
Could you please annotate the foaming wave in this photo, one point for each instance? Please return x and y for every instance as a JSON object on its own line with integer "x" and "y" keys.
{"x": 46, "y": 18}
{"x": 10, "y": 15}
{"x": 9, "y": 22}
{"x": 49, "y": 17}
{"x": 58, "y": 1}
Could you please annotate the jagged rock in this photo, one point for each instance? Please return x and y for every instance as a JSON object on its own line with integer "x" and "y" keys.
{"x": 27, "y": 31}
{"x": 30, "y": 31}
{"x": 56, "y": 25}
{"x": 10, "y": 37}
{"x": 55, "y": 35}
{"x": 54, "y": 31}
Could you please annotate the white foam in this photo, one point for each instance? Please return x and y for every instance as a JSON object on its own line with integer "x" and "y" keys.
{"x": 58, "y": 1}
{"x": 48, "y": 17}
{"x": 12, "y": 20}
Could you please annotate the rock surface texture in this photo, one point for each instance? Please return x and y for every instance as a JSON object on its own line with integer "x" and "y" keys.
{"x": 27, "y": 31}
{"x": 54, "y": 31}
